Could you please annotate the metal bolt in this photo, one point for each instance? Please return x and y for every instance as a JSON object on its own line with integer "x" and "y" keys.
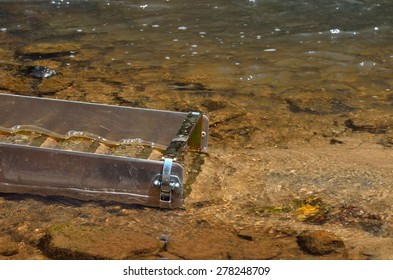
{"x": 157, "y": 183}
{"x": 174, "y": 185}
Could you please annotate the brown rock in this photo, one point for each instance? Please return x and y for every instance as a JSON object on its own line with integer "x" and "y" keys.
{"x": 319, "y": 242}
{"x": 217, "y": 243}
{"x": 202, "y": 244}
{"x": 94, "y": 242}
{"x": 7, "y": 246}
{"x": 49, "y": 48}
{"x": 350, "y": 215}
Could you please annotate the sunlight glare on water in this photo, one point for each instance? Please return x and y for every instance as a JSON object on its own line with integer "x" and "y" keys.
{"x": 248, "y": 43}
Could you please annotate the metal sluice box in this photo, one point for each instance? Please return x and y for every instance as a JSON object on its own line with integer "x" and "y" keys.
{"x": 91, "y": 151}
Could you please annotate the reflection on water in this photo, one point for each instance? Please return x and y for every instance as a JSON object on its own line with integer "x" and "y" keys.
{"x": 298, "y": 94}
{"x": 248, "y": 43}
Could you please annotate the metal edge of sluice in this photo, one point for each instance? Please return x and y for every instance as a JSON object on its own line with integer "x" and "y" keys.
{"x": 97, "y": 177}
{"x": 87, "y": 176}
{"x": 110, "y": 122}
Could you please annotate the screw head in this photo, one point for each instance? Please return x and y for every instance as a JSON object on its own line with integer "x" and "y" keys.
{"x": 157, "y": 183}
{"x": 174, "y": 185}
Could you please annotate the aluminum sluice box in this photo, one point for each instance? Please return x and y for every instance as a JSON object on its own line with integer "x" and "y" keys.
{"x": 91, "y": 151}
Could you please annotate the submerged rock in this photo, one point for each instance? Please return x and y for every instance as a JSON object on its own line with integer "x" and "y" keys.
{"x": 7, "y": 246}
{"x": 373, "y": 129}
{"x": 220, "y": 244}
{"x": 39, "y": 72}
{"x": 353, "y": 216}
{"x": 317, "y": 106}
{"x": 187, "y": 86}
{"x": 206, "y": 243}
{"x": 47, "y": 51}
{"x": 33, "y": 56}
{"x": 319, "y": 242}
{"x": 95, "y": 242}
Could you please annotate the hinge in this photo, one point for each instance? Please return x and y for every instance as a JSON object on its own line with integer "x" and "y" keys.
{"x": 166, "y": 182}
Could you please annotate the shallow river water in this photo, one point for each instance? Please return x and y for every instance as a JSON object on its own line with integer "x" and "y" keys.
{"x": 299, "y": 97}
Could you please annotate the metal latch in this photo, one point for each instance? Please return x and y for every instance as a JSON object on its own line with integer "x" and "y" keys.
{"x": 167, "y": 182}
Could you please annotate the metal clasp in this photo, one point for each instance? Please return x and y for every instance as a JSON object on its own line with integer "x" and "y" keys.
{"x": 167, "y": 182}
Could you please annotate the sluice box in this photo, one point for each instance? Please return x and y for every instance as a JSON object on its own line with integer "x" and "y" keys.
{"x": 91, "y": 151}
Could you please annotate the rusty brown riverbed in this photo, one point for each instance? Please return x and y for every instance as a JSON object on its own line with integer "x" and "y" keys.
{"x": 299, "y": 97}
